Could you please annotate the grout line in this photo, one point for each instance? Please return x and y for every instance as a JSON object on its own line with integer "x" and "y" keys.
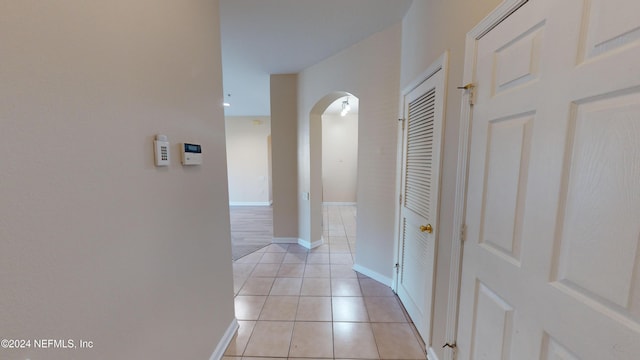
{"x": 330, "y": 296}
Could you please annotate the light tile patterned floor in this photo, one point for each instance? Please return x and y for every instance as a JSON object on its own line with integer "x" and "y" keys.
{"x": 293, "y": 303}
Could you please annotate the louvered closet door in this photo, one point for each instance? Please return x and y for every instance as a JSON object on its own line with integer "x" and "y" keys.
{"x": 418, "y": 214}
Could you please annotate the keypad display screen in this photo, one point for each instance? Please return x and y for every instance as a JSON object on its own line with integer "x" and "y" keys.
{"x": 192, "y": 148}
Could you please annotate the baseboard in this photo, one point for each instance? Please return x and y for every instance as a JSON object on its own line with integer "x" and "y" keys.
{"x": 372, "y": 274}
{"x": 331, "y": 203}
{"x": 218, "y": 353}
{"x": 310, "y": 245}
{"x": 250, "y": 203}
{"x": 285, "y": 240}
{"x": 431, "y": 354}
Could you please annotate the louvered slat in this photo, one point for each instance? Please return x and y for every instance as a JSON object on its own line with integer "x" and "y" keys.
{"x": 418, "y": 170}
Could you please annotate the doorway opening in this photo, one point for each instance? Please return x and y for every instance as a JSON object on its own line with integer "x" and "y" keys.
{"x": 340, "y": 173}
{"x": 340, "y": 152}
{"x": 248, "y": 142}
{"x": 417, "y": 224}
{"x": 333, "y": 142}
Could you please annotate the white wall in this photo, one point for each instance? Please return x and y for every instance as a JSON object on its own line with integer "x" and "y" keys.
{"x": 339, "y": 158}
{"x": 95, "y": 242}
{"x": 248, "y": 159}
{"x": 428, "y": 29}
{"x": 370, "y": 70}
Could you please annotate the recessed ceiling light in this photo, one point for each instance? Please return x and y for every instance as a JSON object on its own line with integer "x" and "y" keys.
{"x": 346, "y": 107}
{"x": 227, "y": 103}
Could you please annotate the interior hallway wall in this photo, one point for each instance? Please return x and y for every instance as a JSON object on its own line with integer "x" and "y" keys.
{"x": 339, "y": 158}
{"x": 428, "y": 29}
{"x": 370, "y": 70}
{"x": 97, "y": 243}
{"x": 284, "y": 112}
{"x": 248, "y": 159}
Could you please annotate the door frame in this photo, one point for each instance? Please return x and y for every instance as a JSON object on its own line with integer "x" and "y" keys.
{"x": 441, "y": 64}
{"x": 501, "y": 12}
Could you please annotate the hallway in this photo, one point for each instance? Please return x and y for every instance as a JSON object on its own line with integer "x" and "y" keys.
{"x": 295, "y": 303}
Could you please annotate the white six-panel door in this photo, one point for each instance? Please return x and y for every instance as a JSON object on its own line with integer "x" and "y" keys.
{"x": 551, "y": 262}
{"x": 423, "y": 109}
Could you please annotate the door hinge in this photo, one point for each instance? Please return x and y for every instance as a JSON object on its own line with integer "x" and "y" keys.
{"x": 402, "y": 121}
{"x": 397, "y": 266}
{"x": 453, "y": 348}
{"x": 471, "y": 88}
{"x": 400, "y": 199}
{"x": 463, "y": 232}
{"x": 472, "y": 96}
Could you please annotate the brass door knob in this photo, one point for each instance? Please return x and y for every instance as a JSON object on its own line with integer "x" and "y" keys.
{"x": 427, "y": 228}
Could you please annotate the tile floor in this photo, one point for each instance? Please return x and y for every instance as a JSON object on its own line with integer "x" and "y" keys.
{"x": 294, "y": 303}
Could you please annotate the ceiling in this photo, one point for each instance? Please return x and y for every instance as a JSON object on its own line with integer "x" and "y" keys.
{"x": 263, "y": 37}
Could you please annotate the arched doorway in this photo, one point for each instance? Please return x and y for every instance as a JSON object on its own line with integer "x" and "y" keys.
{"x": 336, "y": 117}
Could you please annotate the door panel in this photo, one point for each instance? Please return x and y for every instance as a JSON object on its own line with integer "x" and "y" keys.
{"x": 555, "y": 351}
{"x": 607, "y": 27}
{"x": 493, "y": 324}
{"x": 601, "y": 201}
{"x": 506, "y": 180}
{"x": 551, "y": 264}
{"x": 517, "y": 62}
{"x": 417, "y": 256}
{"x": 420, "y": 182}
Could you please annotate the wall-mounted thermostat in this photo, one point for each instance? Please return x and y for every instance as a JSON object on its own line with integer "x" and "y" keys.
{"x": 161, "y": 150}
{"x": 191, "y": 154}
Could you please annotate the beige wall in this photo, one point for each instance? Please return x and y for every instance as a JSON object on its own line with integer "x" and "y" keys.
{"x": 339, "y": 158}
{"x": 370, "y": 70}
{"x": 248, "y": 159}
{"x": 95, "y": 242}
{"x": 428, "y": 29}
{"x": 284, "y": 126}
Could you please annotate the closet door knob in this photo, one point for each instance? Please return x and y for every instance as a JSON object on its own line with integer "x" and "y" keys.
{"x": 427, "y": 228}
